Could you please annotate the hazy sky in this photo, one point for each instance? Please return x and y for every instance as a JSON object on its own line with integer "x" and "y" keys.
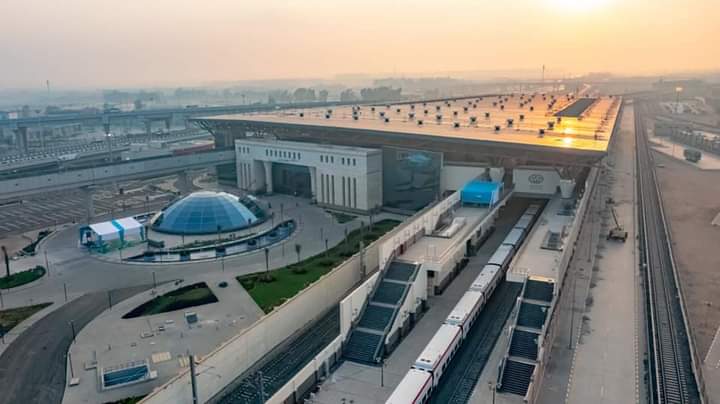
{"x": 102, "y": 43}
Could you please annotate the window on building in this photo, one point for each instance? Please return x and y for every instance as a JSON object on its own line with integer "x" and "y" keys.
{"x": 332, "y": 159}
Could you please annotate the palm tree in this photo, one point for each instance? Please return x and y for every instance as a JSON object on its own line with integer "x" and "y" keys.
{"x": 298, "y": 248}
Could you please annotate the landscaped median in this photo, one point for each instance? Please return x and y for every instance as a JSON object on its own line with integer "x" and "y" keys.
{"x": 193, "y": 295}
{"x": 11, "y": 317}
{"x": 22, "y": 278}
{"x": 272, "y": 289}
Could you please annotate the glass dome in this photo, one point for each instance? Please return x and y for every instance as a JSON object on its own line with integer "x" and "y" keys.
{"x": 206, "y": 213}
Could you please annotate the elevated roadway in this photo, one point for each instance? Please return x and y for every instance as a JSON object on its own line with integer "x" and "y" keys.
{"x": 122, "y": 171}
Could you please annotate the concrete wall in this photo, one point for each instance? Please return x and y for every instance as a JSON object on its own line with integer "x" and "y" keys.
{"x": 536, "y": 181}
{"x": 453, "y": 178}
{"x": 116, "y": 172}
{"x": 352, "y": 305}
{"x": 423, "y": 222}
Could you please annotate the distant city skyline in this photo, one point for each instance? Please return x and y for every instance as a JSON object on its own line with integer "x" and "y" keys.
{"x": 102, "y": 43}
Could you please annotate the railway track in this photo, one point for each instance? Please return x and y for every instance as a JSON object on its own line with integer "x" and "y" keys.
{"x": 672, "y": 378}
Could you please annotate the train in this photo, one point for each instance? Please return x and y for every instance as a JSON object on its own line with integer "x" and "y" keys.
{"x": 425, "y": 374}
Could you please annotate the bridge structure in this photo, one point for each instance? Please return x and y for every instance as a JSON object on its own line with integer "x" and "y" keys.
{"x": 148, "y": 117}
{"x": 86, "y": 179}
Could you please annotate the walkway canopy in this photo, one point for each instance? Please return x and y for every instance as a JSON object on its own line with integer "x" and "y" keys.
{"x": 117, "y": 229}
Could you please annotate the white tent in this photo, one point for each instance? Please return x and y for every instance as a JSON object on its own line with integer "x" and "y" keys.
{"x": 121, "y": 229}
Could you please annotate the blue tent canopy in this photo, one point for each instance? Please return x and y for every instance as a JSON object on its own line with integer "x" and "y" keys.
{"x": 481, "y": 192}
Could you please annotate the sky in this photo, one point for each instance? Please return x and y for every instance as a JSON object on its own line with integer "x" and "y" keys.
{"x": 104, "y": 43}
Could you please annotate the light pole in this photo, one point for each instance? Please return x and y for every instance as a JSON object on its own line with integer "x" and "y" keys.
{"x": 491, "y": 386}
{"x": 72, "y": 328}
{"x": 267, "y": 263}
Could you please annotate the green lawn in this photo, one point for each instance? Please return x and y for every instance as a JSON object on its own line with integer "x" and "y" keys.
{"x": 341, "y": 218}
{"x": 129, "y": 400}
{"x": 288, "y": 281}
{"x": 21, "y": 278}
{"x": 12, "y": 317}
{"x": 188, "y": 296}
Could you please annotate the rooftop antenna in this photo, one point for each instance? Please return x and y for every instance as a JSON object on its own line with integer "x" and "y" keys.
{"x": 47, "y": 84}
{"x": 543, "y": 75}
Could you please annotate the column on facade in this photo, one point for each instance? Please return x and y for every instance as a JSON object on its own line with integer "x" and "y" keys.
{"x": 313, "y": 183}
{"x": 268, "y": 177}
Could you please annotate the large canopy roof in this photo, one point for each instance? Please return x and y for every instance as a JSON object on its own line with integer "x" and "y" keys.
{"x": 205, "y": 213}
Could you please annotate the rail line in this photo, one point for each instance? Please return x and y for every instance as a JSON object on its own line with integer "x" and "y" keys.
{"x": 672, "y": 379}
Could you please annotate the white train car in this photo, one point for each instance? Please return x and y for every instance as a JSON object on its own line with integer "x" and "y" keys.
{"x": 487, "y": 280}
{"x": 466, "y": 311}
{"x": 533, "y": 209}
{"x": 502, "y": 257}
{"x": 525, "y": 222}
{"x": 414, "y": 388}
{"x": 439, "y": 351}
{"x": 514, "y": 238}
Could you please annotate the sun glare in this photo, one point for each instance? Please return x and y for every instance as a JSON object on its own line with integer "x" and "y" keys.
{"x": 577, "y": 6}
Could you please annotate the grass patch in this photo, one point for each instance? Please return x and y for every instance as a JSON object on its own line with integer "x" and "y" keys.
{"x": 129, "y": 400}
{"x": 22, "y": 278}
{"x": 286, "y": 282}
{"x": 193, "y": 295}
{"x": 341, "y": 218}
{"x": 12, "y": 317}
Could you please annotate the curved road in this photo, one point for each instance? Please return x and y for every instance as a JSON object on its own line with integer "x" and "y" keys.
{"x": 32, "y": 369}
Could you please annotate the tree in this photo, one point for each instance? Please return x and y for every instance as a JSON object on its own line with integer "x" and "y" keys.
{"x": 7, "y": 261}
{"x": 348, "y": 96}
{"x": 322, "y": 96}
{"x": 298, "y": 249}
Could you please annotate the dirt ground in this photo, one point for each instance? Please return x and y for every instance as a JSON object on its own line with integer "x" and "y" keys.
{"x": 691, "y": 199}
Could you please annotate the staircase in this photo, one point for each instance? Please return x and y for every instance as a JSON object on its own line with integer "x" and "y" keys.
{"x": 367, "y": 339}
{"x": 524, "y": 344}
{"x": 516, "y": 377}
{"x": 519, "y": 362}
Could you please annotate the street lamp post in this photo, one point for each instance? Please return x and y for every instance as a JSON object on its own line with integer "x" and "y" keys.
{"x": 267, "y": 263}
{"x": 491, "y": 386}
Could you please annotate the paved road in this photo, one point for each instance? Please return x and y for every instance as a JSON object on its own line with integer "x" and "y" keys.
{"x": 32, "y": 369}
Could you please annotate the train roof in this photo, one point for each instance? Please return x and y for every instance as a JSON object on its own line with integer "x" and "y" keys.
{"x": 410, "y": 386}
{"x": 501, "y": 255}
{"x": 464, "y": 306}
{"x": 514, "y": 236}
{"x": 437, "y": 347}
{"x": 487, "y": 274}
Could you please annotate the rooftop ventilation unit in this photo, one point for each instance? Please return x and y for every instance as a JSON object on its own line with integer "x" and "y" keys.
{"x": 479, "y": 99}
{"x": 437, "y": 108}
{"x": 327, "y": 116}
{"x": 559, "y": 119}
{"x": 387, "y": 106}
{"x": 532, "y": 108}
{"x": 420, "y": 122}
{"x": 473, "y": 119}
{"x": 387, "y": 120}
{"x": 438, "y": 117}
{"x": 474, "y": 105}
{"x": 502, "y": 107}
{"x": 355, "y": 117}
{"x": 510, "y": 121}
{"x": 494, "y": 103}
{"x": 465, "y": 109}
{"x": 382, "y": 113}
{"x": 302, "y": 114}
{"x": 411, "y": 115}
{"x": 522, "y": 117}
{"x": 397, "y": 110}
{"x": 426, "y": 112}
{"x": 372, "y": 109}
{"x": 454, "y": 113}
{"x": 551, "y": 125}
{"x": 541, "y": 132}
{"x": 487, "y": 115}
{"x": 456, "y": 125}
{"x": 497, "y": 128}
{"x": 424, "y": 104}
{"x": 412, "y": 106}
